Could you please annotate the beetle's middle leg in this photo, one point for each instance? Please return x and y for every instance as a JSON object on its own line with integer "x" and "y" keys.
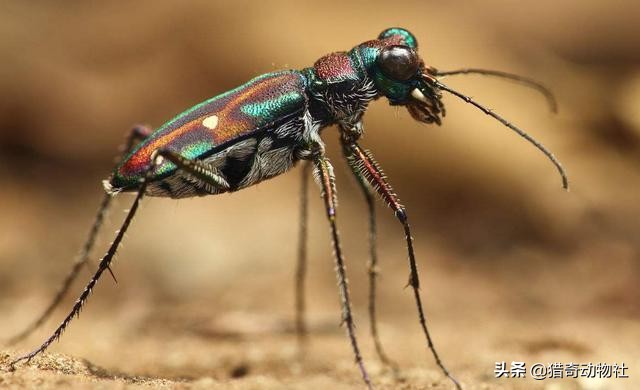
{"x": 301, "y": 265}
{"x": 324, "y": 175}
{"x": 136, "y": 134}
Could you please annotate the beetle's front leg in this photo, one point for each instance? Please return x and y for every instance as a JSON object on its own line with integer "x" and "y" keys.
{"x": 324, "y": 176}
{"x": 350, "y": 133}
{"x": 366, "y": 168}
{"x": 136, "y": 134}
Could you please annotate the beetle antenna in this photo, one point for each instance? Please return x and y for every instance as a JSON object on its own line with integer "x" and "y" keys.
{"x": 522, "y": 133}
{"x": 551, "y": 100}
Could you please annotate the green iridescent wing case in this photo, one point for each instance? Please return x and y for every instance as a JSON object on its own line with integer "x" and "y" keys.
{"x": 262, "y": 103}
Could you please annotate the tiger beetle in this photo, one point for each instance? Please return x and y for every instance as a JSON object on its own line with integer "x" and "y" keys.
{"x": 264, "y": 128}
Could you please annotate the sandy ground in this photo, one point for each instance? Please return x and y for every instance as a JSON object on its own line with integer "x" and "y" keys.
{"x": 231, "y": 329}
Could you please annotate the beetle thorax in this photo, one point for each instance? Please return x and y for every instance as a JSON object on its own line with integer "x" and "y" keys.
{"x": 339, "y": 90}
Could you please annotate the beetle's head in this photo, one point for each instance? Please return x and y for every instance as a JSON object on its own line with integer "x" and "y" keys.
{"x": 392, "y": 61}
{"x": 399, "y": 74}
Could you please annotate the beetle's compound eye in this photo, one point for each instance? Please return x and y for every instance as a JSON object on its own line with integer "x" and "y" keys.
{"x": 398, "y": 62}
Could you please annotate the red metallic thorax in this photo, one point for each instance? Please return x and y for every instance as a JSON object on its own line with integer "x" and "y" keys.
{"x": 334, "y": 66}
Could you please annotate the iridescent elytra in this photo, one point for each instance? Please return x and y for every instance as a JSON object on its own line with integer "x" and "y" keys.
{"x": 264, "y": 128}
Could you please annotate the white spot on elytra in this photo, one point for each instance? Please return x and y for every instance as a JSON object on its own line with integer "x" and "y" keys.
{"x": 210, "y": 122}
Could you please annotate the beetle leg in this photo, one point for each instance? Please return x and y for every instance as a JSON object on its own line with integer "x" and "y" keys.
{"x": 194, "y": 167}
{"x": 326, "y": 179}
{"x": 197, "y": 169}
{"x": 368, "y": 193}
{"x": 104, "y": 265}
{"x": 362, "y": 162}
{"x": 137, "y": 133}
{"x": 301, "y": 265}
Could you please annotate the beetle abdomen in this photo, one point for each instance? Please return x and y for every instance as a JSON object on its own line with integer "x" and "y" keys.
{"x": 246, "y": 162}
{"x": 265, "y": 103}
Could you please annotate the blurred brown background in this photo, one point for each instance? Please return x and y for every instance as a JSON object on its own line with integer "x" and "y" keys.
{"x": 513, "y": 267}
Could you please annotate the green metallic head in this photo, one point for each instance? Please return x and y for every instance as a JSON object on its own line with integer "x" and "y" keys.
{"x": 406, "y": 36}
{"x": 393, "y": 63}
{"x": 399, "y": 74}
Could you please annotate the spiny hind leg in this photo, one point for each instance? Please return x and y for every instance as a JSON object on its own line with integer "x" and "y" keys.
{"x": 192, "y": 167}
{"x": 137, "y": 133}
